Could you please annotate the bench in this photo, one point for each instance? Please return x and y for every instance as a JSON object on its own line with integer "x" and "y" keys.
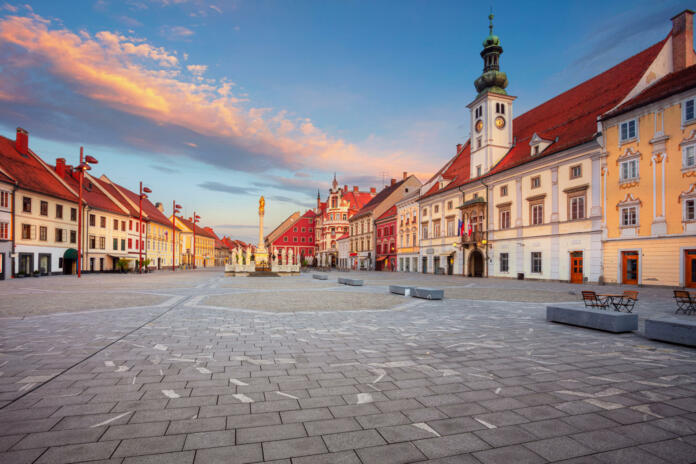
{"x": 401, "y": 290}
{"x": 351, "y": 282}
{"x": 592, "y": 300}
{"x": 320, "y": 276}
{"x": 614, "y": 322}
{"x": 429, "y": 293}
{"x": 685, "y": 302}
{"x": 671, "y": 329}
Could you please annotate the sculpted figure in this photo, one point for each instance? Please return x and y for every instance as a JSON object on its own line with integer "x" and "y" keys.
{"x": 290, "y": 260}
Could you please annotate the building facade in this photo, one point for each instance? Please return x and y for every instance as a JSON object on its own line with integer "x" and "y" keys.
{"x": 333, "y": 216}
{"x": 45, "y": 212}
{"x": 649, "y": 174}
{"x": 362, "y": 224}
{"x": 7, "y": 188}
{"x": 297, "y": 233}
{"x": 343, "y": 244}
{"x": 408, "y": 236}
{"x": 204, "y": 240}
{"x": 385, "y": 227}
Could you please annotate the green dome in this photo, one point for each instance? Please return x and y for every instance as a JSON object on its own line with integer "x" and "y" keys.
{"x": 491, "y": 40}
{"x": 492, "y": 81}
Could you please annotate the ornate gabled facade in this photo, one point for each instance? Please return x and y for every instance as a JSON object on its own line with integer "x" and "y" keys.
{"x": 528, "y": 188}
{"x": 649, "y": 172}
{"x": 332, "y": 218}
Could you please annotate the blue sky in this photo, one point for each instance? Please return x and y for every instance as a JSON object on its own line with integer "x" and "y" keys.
{"x": 214, "y": 103}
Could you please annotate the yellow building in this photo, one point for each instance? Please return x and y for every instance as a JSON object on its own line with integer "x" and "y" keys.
{"x": 649, "y": 172}
{"x": 205, "y": 244}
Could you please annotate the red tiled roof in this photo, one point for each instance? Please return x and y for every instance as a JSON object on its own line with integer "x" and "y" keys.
{"x": 199, "y": 230}
{"x": 457, "y": 173}
{"x": 211, "y": 231}
{"x": 118, "y": 195}
{"x": 391, "y": 212}
{"x": 357, "y": 200}
{"x": 150, "y": 211}
{"x": 30, "y": 173}
{"x": 379, "y": 198}
{"x": 91, "y": 194}
{"x": 4, "y": 178}
{"x": 569, "y": 119}
{"x": 671, "y": 84}
{"x": 343, "y": 237}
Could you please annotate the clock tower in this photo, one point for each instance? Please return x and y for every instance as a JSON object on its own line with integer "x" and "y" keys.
{"x": 491, "y": 110}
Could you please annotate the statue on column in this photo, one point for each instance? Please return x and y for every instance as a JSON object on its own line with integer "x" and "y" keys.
{"x": 234, "y": 256}
{"x": 290, "y": 260}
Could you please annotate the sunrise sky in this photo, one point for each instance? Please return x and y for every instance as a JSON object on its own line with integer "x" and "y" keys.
{"x": 214, "y": 103}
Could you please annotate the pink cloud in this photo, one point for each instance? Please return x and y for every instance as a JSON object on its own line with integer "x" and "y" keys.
{"x": 134, "y": 77}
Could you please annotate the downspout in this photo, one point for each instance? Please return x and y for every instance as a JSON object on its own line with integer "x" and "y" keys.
{"x": 487, "y": 218}
{"x": 14, "y": 251}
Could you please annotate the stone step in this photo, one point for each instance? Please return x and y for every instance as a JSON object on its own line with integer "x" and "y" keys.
{"x": 672, "y": 329}
{"x": 600, "y": 319}
{"x": 429, "y": 293}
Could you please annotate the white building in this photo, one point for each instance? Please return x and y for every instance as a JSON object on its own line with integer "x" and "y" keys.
{"x": 7, "y": 186}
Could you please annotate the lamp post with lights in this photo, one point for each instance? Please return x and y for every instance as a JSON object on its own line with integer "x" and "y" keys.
{"x": 175, "y": 209}
{"x": 143, "y": 195}
{"x": 84, "y": 165}
{"x": 195, "y": 218}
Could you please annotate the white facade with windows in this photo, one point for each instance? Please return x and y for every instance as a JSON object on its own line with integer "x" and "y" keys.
{"x": 6, "y": 192}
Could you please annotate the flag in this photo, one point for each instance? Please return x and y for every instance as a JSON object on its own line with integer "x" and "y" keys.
{"x": 469, "y": 228}
{"x": 460, "y": 226}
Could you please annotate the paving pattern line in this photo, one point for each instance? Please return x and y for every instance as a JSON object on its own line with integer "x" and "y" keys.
{"x": 39, "y": 385}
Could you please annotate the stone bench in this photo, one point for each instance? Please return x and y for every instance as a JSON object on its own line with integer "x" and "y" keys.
{"x": 320, "y": 277}
{"x": 401, "y": 290}
{"x": 352, "y": 282}
{"x": 672, "y": 329}
{"x": 606, "y": 320}
{"x": 429, "y": 293}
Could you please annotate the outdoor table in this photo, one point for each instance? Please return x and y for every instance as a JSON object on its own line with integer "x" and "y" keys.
{"x": 612, "y": 299}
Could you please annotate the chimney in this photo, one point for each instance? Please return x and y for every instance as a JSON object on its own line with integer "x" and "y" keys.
{"x": 159, "y": 206}
{"x": 355, "y": 188}
{"x": 393, "y": 181}
{"x": 405, "y": 175}
{"x": 459, "y": 148}
{"x": 682, "y": 40}
{"x": 60, "y": 167}
{"x": 22, "y": 142}
{"x": 373, "y": 190}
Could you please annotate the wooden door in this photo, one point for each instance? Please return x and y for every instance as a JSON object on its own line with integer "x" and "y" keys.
{"x": 690, "y": 267}
{"x": 629, "y": 261}
{"x": 576, "y": 267}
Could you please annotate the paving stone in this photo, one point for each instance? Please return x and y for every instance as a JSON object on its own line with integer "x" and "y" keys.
{"x": 148, "y": 429}
{"x": 456, "y": 425}
{"x": 21, "y": 457}
{"x": 382, "y": 420}
{"x": 322, "y": 427}
{"x": 293, "y": 448}
{"x": 342, "y": 457}
{"x": 556, "y": 449}
{"x": 253, "y": 420}
{"x": 196, "y": 425}
{"x": 400, "y": 433}
{"x": 352, "y": 440}
{"x": 675, "y": 451}
{"x": 450, "y": 445}
{"x": 241, "y": 454}
{"x": 516, "y": 453}
{"x": 400, "y": 453}
{"x": 629, "y": 456}
{"x": 184, "y": 457}
{"x": 61, "y": 437}
{"x": 269, "y": 433}
{"x": 154, "y": 445}
{"x": 305, "y": 415}
{"x": 505, "y": 436}
{"x": 209, "y": 439}
{"x": 81, "y": 452}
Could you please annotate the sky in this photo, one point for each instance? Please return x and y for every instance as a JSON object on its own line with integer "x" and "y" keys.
{"x": 214, "y": 103}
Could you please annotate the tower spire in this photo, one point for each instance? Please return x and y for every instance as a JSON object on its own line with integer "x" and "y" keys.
{"x": 492, "y": 79}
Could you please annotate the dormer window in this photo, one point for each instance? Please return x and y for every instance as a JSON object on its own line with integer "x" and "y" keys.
{"x": 536, "y": 150}
{"x": 628, "y": 130}
{"x": 689, "y": 113}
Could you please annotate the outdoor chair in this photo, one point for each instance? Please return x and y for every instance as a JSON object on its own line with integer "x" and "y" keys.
{"x": 685, "y": 302}
{"x": 591, "y": 300}
{"x": 627, "y": 301}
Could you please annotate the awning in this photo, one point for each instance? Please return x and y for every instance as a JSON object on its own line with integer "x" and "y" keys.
{"x": 354, "y": 254}
{"x": 381, "y": 258}
{"x": 70, "y": 253}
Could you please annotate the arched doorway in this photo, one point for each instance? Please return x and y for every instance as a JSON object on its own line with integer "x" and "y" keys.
{"x": 476, "y": 264}
{"x": 70, "y": 261}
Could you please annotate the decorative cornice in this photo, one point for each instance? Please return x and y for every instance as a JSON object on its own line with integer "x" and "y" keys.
{"x": 536, "y": 197}
{"x": 628, "y": 154}
{"x": 629, "y": 200}
{"x": 579, "y": 188}
{"x": 690, "y": 192}
{"x": 690, "y": 139}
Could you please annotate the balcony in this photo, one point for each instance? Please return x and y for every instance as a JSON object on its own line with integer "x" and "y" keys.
{"x": 477, "y": 237}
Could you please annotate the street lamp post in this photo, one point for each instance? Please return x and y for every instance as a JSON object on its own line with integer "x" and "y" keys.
{"x": 196, "y": 218}
{"x": 143, "y": 194}
{"x": 85, "y": 161}
{"x": 175, "y": 209}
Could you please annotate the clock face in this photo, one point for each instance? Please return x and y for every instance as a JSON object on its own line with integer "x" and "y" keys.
{"x": 479, "y": 125}
{"x": 499, "y": 122}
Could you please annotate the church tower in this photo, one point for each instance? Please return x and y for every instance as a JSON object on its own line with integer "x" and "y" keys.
{"x": 491, "y": 111}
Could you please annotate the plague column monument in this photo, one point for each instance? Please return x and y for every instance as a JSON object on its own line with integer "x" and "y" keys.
{"x": 261, "y": 256}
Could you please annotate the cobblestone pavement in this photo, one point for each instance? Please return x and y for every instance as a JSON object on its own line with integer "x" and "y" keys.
{"x": 457, "y": 381}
